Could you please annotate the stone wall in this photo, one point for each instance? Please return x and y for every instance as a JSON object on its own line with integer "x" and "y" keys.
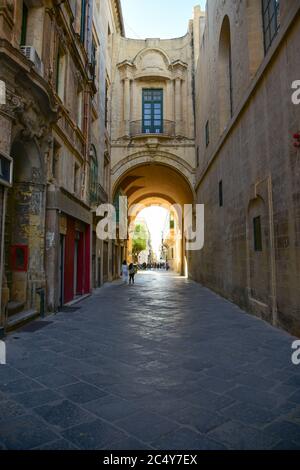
{"x": 254, "y": 157}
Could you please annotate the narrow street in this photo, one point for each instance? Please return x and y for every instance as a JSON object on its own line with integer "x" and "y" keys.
{"x": 164, "y": 364}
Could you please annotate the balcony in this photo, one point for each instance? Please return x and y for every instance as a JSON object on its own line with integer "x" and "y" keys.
{"x": 165, "y": 129}
{"x": 98, "y": 195}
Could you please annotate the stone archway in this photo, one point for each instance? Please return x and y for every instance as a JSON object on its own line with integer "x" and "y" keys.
{"x": 164, "y": 159}
{"x": 25, "y": 228}
{"x": 156, "y": 183}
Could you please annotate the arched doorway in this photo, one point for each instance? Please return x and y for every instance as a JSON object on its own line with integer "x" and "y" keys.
{"x": 25, "y": 229}
{"x": 259, "y": 264}
{"x": 157, "y": 184}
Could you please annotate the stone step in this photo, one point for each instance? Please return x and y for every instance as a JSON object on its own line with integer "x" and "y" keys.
{"x": 14, "y": 307}
{"x": 20, "y": 319}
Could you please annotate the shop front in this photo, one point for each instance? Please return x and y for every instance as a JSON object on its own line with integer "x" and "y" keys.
{"x": 69, "y": 249}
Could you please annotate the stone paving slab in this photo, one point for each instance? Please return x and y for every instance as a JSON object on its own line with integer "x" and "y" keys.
{"x": 164, "y": 364}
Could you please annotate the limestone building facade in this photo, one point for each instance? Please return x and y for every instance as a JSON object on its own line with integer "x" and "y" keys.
{"x": 26, "y": 117}
{"x": 107, "y": 23}
{"x": 247, "y": 167}
{"x": 153, "y": 139}
{"x": 48, "y": 124}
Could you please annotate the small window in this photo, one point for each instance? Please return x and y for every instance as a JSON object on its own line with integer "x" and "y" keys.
{"x": 198, "y": 157}
{"x": 106, "y": 104}
{"x": 271, "y": 21}
{"x": 257, "y": 234}
{"x": 80, "y": 109}
{"x": 55, "y": 160}
{"x": 24, "y": 25}
{"x": 61, "y": 74}
{"x": 83, "y": 20}
{"x": 207, "y": 134}
{"x": 109, "y": 41}
{"x": 93, "y": 175}
{"x": 94, "y": 59}
{"x": 77, "y": 180}
{"x": 221, "y": 201}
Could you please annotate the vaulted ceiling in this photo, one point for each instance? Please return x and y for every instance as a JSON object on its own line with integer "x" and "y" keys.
{"x": 155, "y": 184}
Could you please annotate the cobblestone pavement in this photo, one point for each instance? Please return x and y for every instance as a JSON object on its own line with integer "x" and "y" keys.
{"x": 164, "y": 364}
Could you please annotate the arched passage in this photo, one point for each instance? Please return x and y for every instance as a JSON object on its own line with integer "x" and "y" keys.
{"x": 157, "y": 184}
{"x": 25, "y": 228}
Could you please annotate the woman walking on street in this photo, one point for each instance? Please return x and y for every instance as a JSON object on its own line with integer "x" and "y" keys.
{"x": 125, "y": 272}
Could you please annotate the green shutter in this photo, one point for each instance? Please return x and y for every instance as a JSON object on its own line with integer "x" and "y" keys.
{"x": 152, "y": 111}
{"x": 83, "y": 20}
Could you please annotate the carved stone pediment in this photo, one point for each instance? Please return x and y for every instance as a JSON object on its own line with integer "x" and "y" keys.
{"x": 126, "y": 68}
{"x": 27, "y": 115}
{"x": 13, "y": 103}
{"x": 152, "y": 62}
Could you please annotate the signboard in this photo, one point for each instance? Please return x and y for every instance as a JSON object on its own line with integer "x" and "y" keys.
{"x": 6, "y": 166}
{"x": 19, "y": 258}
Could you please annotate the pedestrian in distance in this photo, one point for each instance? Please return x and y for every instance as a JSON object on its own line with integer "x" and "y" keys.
{"x": 132, "y": 272}
{"x": 125, "y": 272}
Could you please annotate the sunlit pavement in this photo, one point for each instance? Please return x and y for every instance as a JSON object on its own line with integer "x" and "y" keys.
{"x": 164, "y": 364}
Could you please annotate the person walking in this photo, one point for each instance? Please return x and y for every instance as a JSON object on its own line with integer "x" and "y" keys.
{"x": 125, "y": 272}
{"x": 132, "y": 272}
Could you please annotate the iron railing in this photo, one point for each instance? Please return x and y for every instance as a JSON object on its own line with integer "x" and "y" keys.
{"x": 166, "y": 128}
{"x": 98, "y": 195}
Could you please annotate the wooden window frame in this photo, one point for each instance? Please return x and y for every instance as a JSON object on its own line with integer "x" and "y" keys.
{"x": 270, "y": 20}
{"x": 257, "y": 234}
{"x": 153, "y": 129}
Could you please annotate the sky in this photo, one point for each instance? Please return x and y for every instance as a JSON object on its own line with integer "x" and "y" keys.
{"x": 158, "y": 18}
{"x": 156, "y": 218}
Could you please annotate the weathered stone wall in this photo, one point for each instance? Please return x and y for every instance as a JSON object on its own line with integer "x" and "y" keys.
{"x": 105, "y": 27}
{"x": 153, "y": 63}
{"x": 256, "y": 162}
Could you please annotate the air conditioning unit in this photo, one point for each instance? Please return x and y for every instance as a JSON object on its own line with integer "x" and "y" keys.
{"x": 31, "y": 54}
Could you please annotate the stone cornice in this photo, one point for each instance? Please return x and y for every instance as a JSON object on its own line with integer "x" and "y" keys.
{"x": 117, "y": 10}
{"x": 16, "y": 60}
